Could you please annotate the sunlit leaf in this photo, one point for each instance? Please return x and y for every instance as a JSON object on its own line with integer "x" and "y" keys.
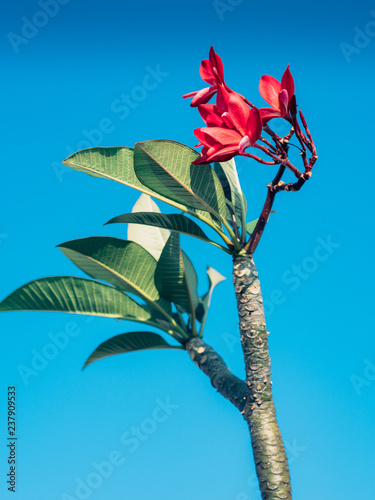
{"x": 150, "y": 237}
{"x": 74, "y": 295}
{"x": 123, "y": 263}
{"x": 128, "y": 342}
{"x": 175, "y": 276}
{"x": 166, "y": 167}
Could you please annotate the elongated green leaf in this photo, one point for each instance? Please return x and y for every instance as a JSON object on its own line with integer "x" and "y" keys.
{"x": 151, "y": 237}
{"x": 191, "y": 279}
{"x": 228, "y": 170}
{"x": 214, "y": 278}
{"x": 173, "y": 275}
{"x": 173, "y": 222}
{"x": 223, "y": 181}
{"x": 166, "y": 167}
{"x": 75, "y": 295}
{"x": 128, "y": 342}
{"x": 124, "y": 264}
{"x": 117, "y": 164}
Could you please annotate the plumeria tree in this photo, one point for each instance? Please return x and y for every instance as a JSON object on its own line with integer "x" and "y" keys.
{"x": 150, "y": 280}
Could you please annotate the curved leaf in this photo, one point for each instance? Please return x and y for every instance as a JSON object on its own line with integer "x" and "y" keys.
{"x": 166, "y": 167}
{"x": 214, "y": 278}
{"x": 175, "y": 277}
{"x": 232, "y": 188}
{"x": 151, "y": 237}
{"x": 128, "y": 342}
{"x": 124, "y": 264}
{"x": 75, "y": 295}
{"x": 117, "y": 164}
{"x": 174, "y": 222}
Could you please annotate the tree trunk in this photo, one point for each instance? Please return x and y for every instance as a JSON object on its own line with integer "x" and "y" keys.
{"x": 259, "y": 411}
{"x": 227, "y": 384}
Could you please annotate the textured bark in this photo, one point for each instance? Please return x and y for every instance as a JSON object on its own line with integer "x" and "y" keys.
{"x": 259, "y": 411}
{"x": 227, "y": 384}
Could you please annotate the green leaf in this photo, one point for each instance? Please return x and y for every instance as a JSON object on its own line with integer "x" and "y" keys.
{"x": 117, "y": 164}
{"x": 174, "y": 276}
{"x": 75, "y": 295}
{"x": 214, "y": 278}
{"x": 232, "y": 188}
{"x": 151, "y": 237}
{"x": 166, "y": 167}
{"x": 223, "y": 181}
{"x": 191, "y": 279}
{"x": 250, "y": 226}
{"x": 174, "y": 222}
{"x": 128, "y": 342}
{"x": 124, "y": 264}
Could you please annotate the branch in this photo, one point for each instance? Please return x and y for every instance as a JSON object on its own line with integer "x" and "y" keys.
{"x": 213, "y": 365}
{"x": 264, "y": 216}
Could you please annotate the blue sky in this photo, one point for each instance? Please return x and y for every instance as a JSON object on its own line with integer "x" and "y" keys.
{"x": 65, "y": 75}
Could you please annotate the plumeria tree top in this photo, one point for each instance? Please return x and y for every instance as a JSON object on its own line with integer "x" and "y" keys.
{"x": 148, "y": 279}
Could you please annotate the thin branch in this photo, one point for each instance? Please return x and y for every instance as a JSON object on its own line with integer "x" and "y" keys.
{"x": 213, "y": 365}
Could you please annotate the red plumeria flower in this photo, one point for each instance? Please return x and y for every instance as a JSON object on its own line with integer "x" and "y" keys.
{"x": 212, "y": 72}
{"x": 221, "y": 143}
{"x": 210, "y": 115}
{"x": 278, "y": 95}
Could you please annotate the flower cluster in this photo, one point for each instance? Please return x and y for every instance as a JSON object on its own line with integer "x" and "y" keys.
{"x": 233, "y": 124}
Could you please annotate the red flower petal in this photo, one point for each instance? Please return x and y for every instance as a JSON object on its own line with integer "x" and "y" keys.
{"x": 268, "y": 113}
{"x": 206, "y": 73}
{"x": 223, "y": 154}
{"x": 217, "y": 67}
{"x": 254, "y": 125}
{"x": 283, "y": 102}
{"x": 287, "y": 83}
{"x": 227, "y": 120}
{"x": 203, "y": 96}
{"x": 222, "y": 99}
{"x": 239, "y": 112}
{"x": 190, "y": 94}
{"x": 224, "y": 136}
{"x": 202, "y": 138}
{"x": 210, "y": 115}
{"x": 245, "y": 143}
{"x": 269, "y": 89}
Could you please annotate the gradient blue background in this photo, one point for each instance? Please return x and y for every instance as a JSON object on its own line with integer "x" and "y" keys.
{"x": 64, "y": 81}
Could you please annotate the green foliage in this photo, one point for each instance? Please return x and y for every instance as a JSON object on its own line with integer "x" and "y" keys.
{"x": 128, "y": 342}
{"x": 124, "y": 264}
{"x": 214, "y": 278}
{"x": 175, "y": 277}
{"x": 152, "y": 237}
{"x": 149, "y": 278}
{"x": 174, "y": 222}
{"x": 75, "y": 295}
